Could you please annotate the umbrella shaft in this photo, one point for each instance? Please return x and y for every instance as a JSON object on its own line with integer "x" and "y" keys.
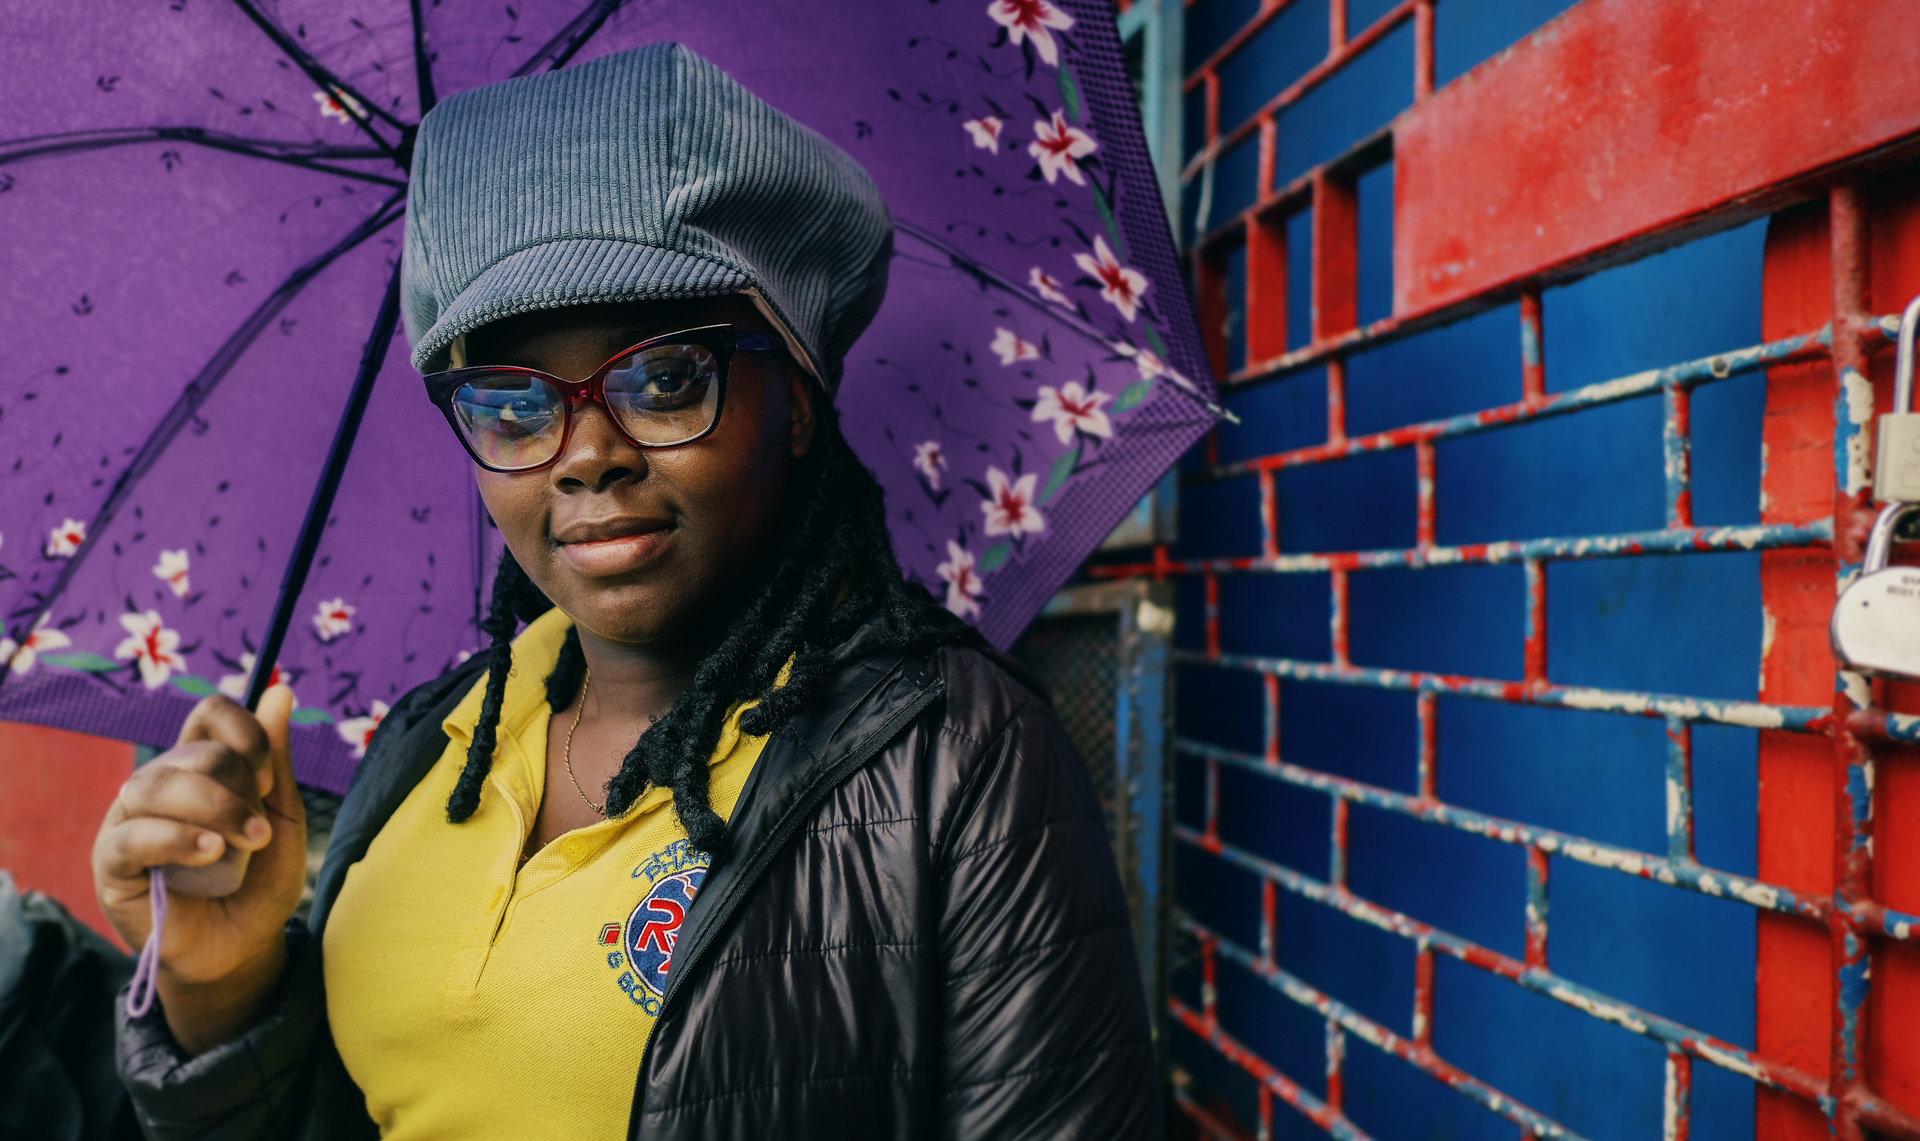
{"x": 372, "y": 357}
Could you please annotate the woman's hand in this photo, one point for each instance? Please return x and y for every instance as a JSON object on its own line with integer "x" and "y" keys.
{"x": 227, "y": 783}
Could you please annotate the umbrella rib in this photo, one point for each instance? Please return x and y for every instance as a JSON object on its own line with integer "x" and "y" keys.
{"x": 557, "y": 51}
{"x": 196, "y": 393}
{"x": 422, "y": 66}
{"x": 356, "y": 106}
{"x": 990, "y": 276}
{"x": 15, "y": 150}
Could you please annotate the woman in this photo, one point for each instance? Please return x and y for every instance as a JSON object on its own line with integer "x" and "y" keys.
{"x": 742, "y": 835}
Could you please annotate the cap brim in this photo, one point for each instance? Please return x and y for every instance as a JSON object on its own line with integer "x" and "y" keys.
{"x": 573, "y": 271}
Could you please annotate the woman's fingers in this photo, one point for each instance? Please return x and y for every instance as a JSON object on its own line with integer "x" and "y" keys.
{"x": 221, "y": 721}
{"x": 126, "y": 850}
{"x": 195, "y": 786}
{"x": 276, "y": 777}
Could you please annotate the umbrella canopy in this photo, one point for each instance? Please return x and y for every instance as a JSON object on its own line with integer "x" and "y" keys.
{"x": 202, "y": 202}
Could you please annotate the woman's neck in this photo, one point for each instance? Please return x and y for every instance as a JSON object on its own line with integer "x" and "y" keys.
{"x": 638, "y": 682}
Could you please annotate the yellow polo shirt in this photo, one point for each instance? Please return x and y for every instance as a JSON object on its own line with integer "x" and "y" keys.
{"x": 472, "y": 996}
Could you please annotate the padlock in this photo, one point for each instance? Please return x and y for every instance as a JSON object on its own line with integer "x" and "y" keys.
{"x": 1896, "y": 453}
{"x": 1876, "y": 624}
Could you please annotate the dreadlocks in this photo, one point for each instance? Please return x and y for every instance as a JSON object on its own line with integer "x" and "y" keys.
{"x": 834, "y": 569}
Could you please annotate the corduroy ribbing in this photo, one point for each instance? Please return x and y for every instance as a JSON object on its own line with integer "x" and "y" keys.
{"x": 644, "y": 175}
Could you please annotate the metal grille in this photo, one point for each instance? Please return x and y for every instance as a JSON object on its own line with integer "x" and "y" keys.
{"x": 1246, "y": 252}
{"x": 1078, "y": 659}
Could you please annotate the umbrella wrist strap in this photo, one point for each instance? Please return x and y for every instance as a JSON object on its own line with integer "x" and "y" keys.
{"x": 146, "y": 972}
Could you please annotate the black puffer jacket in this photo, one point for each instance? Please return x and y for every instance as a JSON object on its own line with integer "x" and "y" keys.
{"x": 919, "y": 933}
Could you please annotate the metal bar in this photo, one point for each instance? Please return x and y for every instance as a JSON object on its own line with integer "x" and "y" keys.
{"x": 1422, "y": 50}
{"x": 1270, "y": 1079}
{"x": 1389, "y": 328}
{"x": 1698, "y": 540}
{"x": 1679, "y": 790}
{"x": 1533, "y": 348}
{"x": 1272, "y": 735}
{"x": 1871, "y": 1109}
{"x": 1537, "y": 868}
{"x": 1853, "y": 758}
{"x": 1338, "y": 620}
{"x": 1534, "y": 653}
{"x": 1337, "y": 844}
{"x": 1415, "y": 1052}
{"x": 1269, "y": 519}
{"x": 1677, "y": 1105}
{"x": 1336, "y": 401}
{"x": 1722, "y": 366}
{"x": 1213, "y": 615}
{"x": 1749, "y": 714}
{"x": 1424, "y": 517}
{"x": 1683, "y": 874}
{"x": 1677, "y": 441}
{"x": 1425, "y": 712}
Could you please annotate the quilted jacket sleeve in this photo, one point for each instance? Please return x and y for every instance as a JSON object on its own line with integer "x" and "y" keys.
{"x": 241, "y": 1090}
{"x": 1046, "y": 1032}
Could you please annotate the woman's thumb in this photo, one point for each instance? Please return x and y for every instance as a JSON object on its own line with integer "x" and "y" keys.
{"x": 276, "y": 706}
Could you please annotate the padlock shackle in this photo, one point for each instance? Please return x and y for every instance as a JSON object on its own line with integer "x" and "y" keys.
{"x": 1880, "y": 539}
{"x": 1903, "y": 359}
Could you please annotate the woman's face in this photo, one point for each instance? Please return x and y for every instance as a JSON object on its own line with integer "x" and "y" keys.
{"x": 640, "y": 545}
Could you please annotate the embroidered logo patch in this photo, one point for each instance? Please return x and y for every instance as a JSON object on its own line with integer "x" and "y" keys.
{"x": 641, "y": 949}
{"x": 654, "y": 928}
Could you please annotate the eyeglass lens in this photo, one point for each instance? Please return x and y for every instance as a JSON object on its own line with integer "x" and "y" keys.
{"x": 659, "y": 396}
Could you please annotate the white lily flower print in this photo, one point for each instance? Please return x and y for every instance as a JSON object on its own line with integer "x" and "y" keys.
{"x": 985, "y": 131}
{"x": 358, "y": 731}
{"x": 1030, "y": 20}
{"x": 1009, "y": 505}
{"x": 172, "y": 570}
{"x": 1119, "y": 284}
{"x": 235, "y": 685}
{"x": 929, "y": 460}
{"x": 152, "y": 647}
{"x": 1072, "y": 407}
{"x": 333, "y": 618}
{"x": 336, "y": 104}
{"x": 66, "y": 539}
{"x": 1008, "y": 346}
{"x": 963, "y": 585}
{"x": 1058, "y": 146}
{"x": 22, "y": 657}
{"x": 1047, "y": 287}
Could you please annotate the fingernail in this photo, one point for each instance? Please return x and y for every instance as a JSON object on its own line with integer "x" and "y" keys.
{"x": 207, "y": 842}
{"x": 256, "y": 828}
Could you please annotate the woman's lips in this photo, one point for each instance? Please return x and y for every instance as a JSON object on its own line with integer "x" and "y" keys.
{"x": 598, "y": 554}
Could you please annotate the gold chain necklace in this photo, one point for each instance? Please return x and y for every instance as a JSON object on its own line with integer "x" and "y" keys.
{"x": 586, "y": 685}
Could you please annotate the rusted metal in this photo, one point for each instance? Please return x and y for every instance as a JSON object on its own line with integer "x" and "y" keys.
{"x": 1853, "y": 758}
{"x": 1865, "y": 1107}
{"x": 1496, "y": 186}
{"x": 1615, "y": 89}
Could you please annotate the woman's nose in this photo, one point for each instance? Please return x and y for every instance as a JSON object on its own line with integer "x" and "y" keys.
{"x": 596, "y": 456}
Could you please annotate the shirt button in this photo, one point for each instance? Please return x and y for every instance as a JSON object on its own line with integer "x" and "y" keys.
{"x": 574, "y": 849}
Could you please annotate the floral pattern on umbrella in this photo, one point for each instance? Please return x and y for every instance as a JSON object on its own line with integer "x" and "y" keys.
{"x": 1032, "y": 371}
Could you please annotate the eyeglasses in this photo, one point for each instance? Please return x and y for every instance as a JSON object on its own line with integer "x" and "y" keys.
{"x": 660, "y": 393}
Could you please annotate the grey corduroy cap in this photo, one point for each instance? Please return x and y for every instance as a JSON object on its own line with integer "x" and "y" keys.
{"x": 645, "y": 175}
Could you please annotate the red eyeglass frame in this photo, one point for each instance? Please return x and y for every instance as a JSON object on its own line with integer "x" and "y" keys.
{"x": 720, "y": 340}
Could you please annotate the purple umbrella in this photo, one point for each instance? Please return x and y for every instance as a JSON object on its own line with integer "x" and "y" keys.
{"x": 203, "y": 203}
